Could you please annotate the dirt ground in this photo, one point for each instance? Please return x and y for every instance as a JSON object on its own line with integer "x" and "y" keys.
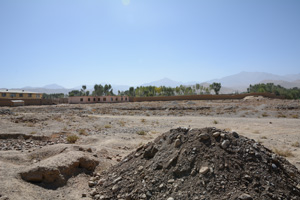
{"x": 36, "y": 139}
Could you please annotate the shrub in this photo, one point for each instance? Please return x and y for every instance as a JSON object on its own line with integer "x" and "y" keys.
{"x": 141, "y": 132}
{"x": 82, "y": 132}
{"x": 72, "y": 138}
{"x": 282, "y": 152}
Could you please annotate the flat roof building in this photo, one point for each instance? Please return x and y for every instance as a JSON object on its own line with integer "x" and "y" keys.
{"x": 19, "y": 94}
{"x": 97, "y": 99}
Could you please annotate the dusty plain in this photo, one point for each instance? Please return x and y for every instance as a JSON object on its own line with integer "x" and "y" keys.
{"x": 34, "y": 139}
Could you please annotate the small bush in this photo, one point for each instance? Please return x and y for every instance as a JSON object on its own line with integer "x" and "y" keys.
{"x": 141, "y": 133}
{"x": 143, "y": 120}
{"x": 296, "y": 144}
{"x": 263, "y": 137}
{"x": 215, "y": 122}
{"x": 83, "y": 132}
{"x": 107, "y": 126}
{"x": 265, "y": 114}
{"x": 284, "y": 153}
{"x": 33, "y": 132}
{"x": 295, "y": 116}
{"x": 72, "y": 138}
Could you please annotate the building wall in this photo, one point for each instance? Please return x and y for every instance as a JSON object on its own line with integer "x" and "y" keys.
{"x": 8, "y": 95}
{"x": 98, "y": 99}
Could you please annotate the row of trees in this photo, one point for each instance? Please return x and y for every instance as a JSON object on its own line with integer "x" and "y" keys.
{"x": 148, "y": 91}
{"x": 99, "y": 90}
{"x": 293, "y": 93}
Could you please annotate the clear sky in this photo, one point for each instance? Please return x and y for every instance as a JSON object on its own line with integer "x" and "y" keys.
{"x": 131, "y": 42}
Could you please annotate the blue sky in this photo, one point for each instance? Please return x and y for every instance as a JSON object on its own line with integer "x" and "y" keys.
{"x": 131, "y": 42}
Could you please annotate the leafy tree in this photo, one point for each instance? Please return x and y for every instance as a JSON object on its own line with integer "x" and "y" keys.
{"x": 75, "y": 93}
{"x": 216, "y": 87}
{"x": 292, "y": 93}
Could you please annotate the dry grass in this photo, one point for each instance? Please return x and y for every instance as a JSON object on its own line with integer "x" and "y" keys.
{"x": 141, "y": 132}
{"x": 82, "y": 132}
{"x": 30, "y": 124}
{"x": 72, "y": 138}
{"x": 107, "y": 126}
{"x": 122, "y": 123}
{"x": 256, "y": 132}
{"x": 265, "y": 114}
{"x": 295, "y": 116}
{"x": 295, "y": 144}
{"x": 143, "y": 120}
{"x": 215, "y": 122}
{"x": 263, "y": 137}
{"x": 283, "y": 152}
{"x": 33, "y": 132}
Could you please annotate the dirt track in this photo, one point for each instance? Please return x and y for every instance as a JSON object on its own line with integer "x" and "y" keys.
{"x": 114, "y": 130}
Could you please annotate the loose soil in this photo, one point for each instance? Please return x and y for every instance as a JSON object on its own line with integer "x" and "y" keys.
{"x": 109, "y": 132}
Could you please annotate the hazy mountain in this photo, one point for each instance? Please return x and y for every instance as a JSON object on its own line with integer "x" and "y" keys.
{"x": 53, "y": 86}
{"x": 230, "y": 84}
{"x": 285, "y": 84}
{"x": 242, "y": 80}
{"x": 164, "y": 82}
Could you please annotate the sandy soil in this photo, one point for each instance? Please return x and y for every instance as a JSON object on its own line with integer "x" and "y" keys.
{"x": 114, "y": 130}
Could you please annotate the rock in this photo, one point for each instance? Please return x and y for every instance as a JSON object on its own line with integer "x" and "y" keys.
{"x": 235, "y": 134}
{"x": 216, "y": 134}
{"x": 101, "y": 181}
{"x": 204, "y": 136}
{"x": 93, "y": 192}
{"x": 91, "y": 183}
{"x": 203, "y": 170}
{"x": 83, "y": 195}
{"x": 225, "y": 144}
{"x": 170, "y": 198}
{"x": 177, "y": 143}
{"x": 115, "y": 188}
{"x": 150, "y": 152}
{"x": 245, "y": 197}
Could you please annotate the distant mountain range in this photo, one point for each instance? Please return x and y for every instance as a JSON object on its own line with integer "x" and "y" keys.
{"x": 230, "y": 84}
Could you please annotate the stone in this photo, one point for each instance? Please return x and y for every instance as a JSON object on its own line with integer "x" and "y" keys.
{"x": 177, "y": 143}
{"x": 93, "y": 192}
{"x": 216, "y": 134}
{"x": 115, "y": 188}
{"x": 83, "y": 195}
{"x": 235, "y": 134}
{"x": 204, "y": 136}
{"x": 245, "y": 197}
{"x": 91, "y": 183}
{"x": 225, "y": 144}
{"x": 203, "y": 170}
{"x": 101, "y": 181}
{"x": 170, "y": 198}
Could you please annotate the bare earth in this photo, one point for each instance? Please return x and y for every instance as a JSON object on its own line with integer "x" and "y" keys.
{"x": 108, "y": 132}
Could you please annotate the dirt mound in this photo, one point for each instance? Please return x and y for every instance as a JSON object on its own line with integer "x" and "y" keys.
{"x": 55, "y": 171}
{"x": 200, "y": 164}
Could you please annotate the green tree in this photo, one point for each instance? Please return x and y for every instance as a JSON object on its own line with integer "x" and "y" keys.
{"x": 216, "y": 87}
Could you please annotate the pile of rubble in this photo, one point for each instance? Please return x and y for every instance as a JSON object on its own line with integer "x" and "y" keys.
{"x": 22, "y": 144}
{"x": 199, "y": 164}
{"x": 6, "y": 112}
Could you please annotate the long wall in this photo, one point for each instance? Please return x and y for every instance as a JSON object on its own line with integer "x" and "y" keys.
{"x": 202, "y": 97}
{"x": 7, "y": 102}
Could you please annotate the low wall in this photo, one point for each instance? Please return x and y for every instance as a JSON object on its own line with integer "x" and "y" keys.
{"x": 202, "y": 97}
{"x": 28, "y": 102}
